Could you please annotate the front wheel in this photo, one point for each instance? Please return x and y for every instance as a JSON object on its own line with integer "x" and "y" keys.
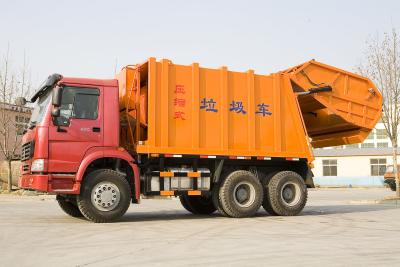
{"x": 105, "y": 196}
{"x": 69, "y": 206}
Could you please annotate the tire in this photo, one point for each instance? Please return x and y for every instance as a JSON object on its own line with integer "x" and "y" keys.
{"x": 392, "y": 185}
{"x": 200, "y": 205}
{"x": 185, "y": 204}
{"x": 217, "y": 201}
{"x": 241, "y": 194}
{"x": 69, "y": 206}
{"x": 287, "y": 193}
{"x": 105, "y": 196}
{"x": 266, "y": 202}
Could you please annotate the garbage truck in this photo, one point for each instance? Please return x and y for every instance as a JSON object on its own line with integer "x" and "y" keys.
{"x": 220, "y": 140}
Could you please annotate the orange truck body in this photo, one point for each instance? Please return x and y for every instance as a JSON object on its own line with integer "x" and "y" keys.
{"x": 194, "y": 110}
{"x": 219, "y": 139}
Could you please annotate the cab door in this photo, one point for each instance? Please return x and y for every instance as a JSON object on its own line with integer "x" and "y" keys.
{"x": 78, "y": 128}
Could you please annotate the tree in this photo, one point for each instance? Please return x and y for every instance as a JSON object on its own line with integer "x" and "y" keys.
{"x": 383, "y": 67}
{"x": 12, "y": 85}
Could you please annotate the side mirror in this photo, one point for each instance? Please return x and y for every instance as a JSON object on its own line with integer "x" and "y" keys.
{"x": 55, "y": 112}
{"x": 56, "y": 99}
{"x": 20, "y": 101}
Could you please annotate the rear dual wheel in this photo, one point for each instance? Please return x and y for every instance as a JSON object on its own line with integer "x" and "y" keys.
{"x": 217, "y": 200}
{"x": 392, "y": 184}
{"x": 240, "y": 194}
{"x": 285, "y": 193}
{"x": 201, "y": 205}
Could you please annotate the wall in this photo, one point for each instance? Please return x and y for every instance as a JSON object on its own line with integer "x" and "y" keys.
{"x": 350, "y": 165}
{"x": 351, "y": 170}
{"x": 18, "y": 118}
{"x": 16, "y": 170}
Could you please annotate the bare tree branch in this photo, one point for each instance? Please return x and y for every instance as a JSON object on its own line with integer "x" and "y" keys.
{"x": 382, "y": 65}
{"x": 13, "y": 84}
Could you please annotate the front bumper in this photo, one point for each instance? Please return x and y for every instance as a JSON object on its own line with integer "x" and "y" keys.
{"x": 34, "y": 182}
{"x": 60, "y": 184}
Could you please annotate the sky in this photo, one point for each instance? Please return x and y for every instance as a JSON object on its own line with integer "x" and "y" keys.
{"x": 93, "y": 38}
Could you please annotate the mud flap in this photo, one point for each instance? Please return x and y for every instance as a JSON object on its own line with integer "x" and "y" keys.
{"x": 309, "y": 179}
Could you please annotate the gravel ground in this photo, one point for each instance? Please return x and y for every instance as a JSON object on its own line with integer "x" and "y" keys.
{"x": 333, "y": 230}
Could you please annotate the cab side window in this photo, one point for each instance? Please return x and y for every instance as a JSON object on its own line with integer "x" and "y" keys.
{"x": 78, "y": 103}
{"x": 85, "y": 106}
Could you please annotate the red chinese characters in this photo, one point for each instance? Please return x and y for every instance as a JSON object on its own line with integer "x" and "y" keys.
{"x": 179, "y": 102}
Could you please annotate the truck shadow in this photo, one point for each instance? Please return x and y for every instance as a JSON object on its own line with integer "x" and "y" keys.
{"x": 344, "y": 209}
{"x": 165, "y": 216}
{"x": 308, "y": 211}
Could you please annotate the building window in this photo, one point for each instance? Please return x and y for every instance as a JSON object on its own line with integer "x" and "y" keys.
{"x": 381, "y": 145}
{"x": 352, "y": 146}
{"x": 378, "y": 167}
{"x": 371, "y": 135}
{"x": 367, "y": 145}
{"x": 329, "y": 167}
{"x": 21, "y": 119}
{"x": 21, "y": 124}
{"x": 20, "y": 129}
{"x": 381, "y": 134}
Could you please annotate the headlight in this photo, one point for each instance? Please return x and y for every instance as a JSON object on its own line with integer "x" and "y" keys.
{"x": 37, "y": 165}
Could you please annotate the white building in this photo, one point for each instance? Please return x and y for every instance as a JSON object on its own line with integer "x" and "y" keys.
{"x": 359, "y": 164}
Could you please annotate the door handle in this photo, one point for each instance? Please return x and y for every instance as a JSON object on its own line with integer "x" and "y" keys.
{"x": 96, "y": 129}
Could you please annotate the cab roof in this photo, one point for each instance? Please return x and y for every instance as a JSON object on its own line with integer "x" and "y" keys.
{"x": 88, "y": 81}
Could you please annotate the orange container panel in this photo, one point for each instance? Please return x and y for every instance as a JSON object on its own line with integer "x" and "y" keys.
{"x": 202, "y": 111}
{"x": 344, "y": 116}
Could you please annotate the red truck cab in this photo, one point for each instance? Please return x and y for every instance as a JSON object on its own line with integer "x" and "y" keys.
{"x": 64, "y": 140}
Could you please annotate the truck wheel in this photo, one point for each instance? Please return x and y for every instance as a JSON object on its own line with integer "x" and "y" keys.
{"x": 198, "y": 204}
{"x": 266, "y": 202}
{"x": 105, "y": 196}
{"x": 287, "y": 193}
{"x": 216, "y": 200}
{"x": 241, "y": 194}
{"x": 392, "y": 186}
{"x": 185, "y": 204}
{"x": 69, "y": 206}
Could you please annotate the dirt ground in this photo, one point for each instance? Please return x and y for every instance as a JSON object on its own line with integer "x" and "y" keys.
{"x": 337, "y": 228}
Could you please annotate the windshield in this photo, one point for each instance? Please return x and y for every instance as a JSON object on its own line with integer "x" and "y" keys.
{"x": 40, "y": 108}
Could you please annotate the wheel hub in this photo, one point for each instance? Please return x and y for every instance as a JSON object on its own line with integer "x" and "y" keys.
{"x": 290, "y": 193}
{"x": 244, "y": 194}
{"x": 105, "y": 196}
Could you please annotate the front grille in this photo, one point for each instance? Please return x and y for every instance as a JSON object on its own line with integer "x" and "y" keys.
{"x": 25, "y": 168}
{"x": 27, "y": 150}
